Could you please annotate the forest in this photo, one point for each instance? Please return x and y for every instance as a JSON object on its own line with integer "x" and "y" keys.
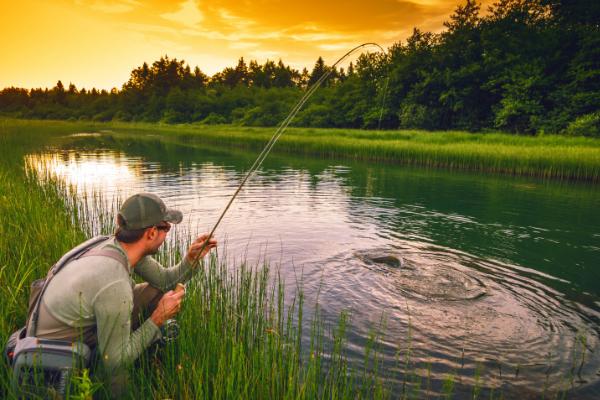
{"x": 521, "y": 66}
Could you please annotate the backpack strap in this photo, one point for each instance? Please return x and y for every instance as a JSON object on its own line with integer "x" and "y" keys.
{"x": 73, "y": 254}
{"x": 110, "y": 253}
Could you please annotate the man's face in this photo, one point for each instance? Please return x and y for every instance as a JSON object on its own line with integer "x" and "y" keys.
{"x": 156, "y": 237}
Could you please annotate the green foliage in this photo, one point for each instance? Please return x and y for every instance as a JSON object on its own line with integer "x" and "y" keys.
{"x": 238, "y": 340}
{"x": 549, "y": 156}
{"x": 586, "y": 125}
{"x": 83, "y": 386}
{"x": 214, "y": 119}
{"x": 525, "y": 67}
{"x": 520, "y": 108}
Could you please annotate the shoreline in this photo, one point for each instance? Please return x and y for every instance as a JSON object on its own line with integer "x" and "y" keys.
{"x": 548, "y": 157}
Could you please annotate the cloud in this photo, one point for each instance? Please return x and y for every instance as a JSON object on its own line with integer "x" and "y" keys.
{"x": 266, "y": 54}
{"x": 111, "y": 7}
{"x": 316, "y": 36}
{"x": 235, "y": 21}
{"x": 337, "y": 46}
{"x": 188, "y": 14}
{"x": 211, "y": 33}
{"x": 243, "y": 45}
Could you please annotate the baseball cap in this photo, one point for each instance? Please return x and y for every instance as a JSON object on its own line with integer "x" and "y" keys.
{"x": 144, "y": 210}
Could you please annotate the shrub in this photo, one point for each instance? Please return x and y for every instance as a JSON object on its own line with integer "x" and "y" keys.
{"x": 214, "y": 119}
{"x": 585, "y": 125}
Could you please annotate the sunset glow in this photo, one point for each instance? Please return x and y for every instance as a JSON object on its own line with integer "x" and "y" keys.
{"x": 98, "y": 42}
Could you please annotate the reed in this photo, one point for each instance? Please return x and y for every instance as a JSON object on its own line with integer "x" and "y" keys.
{"x": 240, "y": 338}
{"x": 551, "y": 156}
{"x": 556, "y": 157}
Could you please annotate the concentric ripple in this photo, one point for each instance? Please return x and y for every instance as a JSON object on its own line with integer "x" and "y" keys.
{"x": 463, "y": 311}
{"x": 425, "y": 280}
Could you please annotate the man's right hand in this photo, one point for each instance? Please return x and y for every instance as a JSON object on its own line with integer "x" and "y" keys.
{"x": 167, "y": 307}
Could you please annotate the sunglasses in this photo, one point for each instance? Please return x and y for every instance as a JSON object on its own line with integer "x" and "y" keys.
{"x": 165, "y": 228}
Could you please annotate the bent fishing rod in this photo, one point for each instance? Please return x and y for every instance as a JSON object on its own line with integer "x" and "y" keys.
{"x": 279, "y": 131}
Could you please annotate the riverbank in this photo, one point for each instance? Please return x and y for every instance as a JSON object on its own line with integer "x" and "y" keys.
{"x": 37, "y": 228}
{"x": 238, "y": 337}
{"x": 235, "y": 341}
{"x": 556, "y": 157}
{"x": 550, "y": 156}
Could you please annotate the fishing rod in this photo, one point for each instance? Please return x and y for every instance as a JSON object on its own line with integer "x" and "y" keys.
{"x": 279, "y": 131}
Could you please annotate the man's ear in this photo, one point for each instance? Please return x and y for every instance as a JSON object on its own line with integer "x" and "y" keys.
{"x": 150, "y": 233}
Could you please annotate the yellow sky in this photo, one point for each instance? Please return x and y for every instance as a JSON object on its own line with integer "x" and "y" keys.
{"x": 98, "y": 42}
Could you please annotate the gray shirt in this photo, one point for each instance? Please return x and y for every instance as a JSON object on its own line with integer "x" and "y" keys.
{"x": 93, "y": 296}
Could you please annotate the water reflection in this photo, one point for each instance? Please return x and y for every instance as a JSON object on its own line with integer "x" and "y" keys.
{"x": 492, "y": 273}
{"x": 89, "y": 171}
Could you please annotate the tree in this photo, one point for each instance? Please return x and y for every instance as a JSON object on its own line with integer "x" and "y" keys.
{"x": 284, "y": 76}
{"x": 72, "y": 89}
{"x": 59, "y": 93}
{"x": 318, "y": 71}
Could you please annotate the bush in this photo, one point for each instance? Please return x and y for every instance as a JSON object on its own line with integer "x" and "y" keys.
{"x": 413, "y": 115}
{"x": 103, "y": 116}
{"x": 585, "y": 125}
{"x": 214, "y": 119}
{"x": 315, "y": 115}
{"x": 173, "y": 117}
{"x": 122, "y": 116}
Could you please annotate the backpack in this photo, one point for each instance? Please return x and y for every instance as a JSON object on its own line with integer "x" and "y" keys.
{"x": 39, "y": 364}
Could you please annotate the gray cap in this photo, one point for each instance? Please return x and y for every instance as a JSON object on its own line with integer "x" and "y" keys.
{"x": 144, "y": 210}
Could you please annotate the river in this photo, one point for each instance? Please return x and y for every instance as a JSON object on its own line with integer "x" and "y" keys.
{"x": 486, "y": 277}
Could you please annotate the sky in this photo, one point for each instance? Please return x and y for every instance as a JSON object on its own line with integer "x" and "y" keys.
{"x": 96, "y": 43}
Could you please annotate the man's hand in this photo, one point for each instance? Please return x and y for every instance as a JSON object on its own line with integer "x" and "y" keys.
{"x": 167, "y": 307}
{"x": 194, "y": 250}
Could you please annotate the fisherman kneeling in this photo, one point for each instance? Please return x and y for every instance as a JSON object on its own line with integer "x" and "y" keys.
{"x": 95, "y": 299}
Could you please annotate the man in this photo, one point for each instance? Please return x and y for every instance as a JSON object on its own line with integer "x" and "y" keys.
{"x": 95, "y": 297}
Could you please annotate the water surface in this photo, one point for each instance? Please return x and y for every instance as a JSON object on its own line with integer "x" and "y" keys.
{"x": 473, "y": 274}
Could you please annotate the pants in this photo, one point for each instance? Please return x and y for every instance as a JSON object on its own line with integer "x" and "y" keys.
{"x": 145, "y": 301}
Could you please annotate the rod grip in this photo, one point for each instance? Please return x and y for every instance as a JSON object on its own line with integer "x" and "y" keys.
{"x": 179, "y": 287}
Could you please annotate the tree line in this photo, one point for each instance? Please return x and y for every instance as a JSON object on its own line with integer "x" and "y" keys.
{"x": 524, "y": 66}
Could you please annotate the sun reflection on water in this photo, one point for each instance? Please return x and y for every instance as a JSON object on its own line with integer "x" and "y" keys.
{"x": 106, "y": 171}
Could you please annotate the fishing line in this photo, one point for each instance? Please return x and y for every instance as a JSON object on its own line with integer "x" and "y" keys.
{"x": 282, "y": 127}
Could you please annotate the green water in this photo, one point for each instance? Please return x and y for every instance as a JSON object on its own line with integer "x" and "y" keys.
{"x": 493, "y": 270}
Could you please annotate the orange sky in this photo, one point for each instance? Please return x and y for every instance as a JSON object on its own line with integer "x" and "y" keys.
{"x": 98, "y": 42}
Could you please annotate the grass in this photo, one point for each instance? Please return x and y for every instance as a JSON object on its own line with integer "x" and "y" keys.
{"x": 240, "y": 337}
{"x": 546, "y": 156}
{"x": 556, "y": 157}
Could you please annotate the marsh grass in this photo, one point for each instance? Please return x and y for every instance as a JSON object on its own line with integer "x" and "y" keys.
{"x": 545, "y": 156}
{"x": 240, "y": 336}
{"x": 551, "y": 156}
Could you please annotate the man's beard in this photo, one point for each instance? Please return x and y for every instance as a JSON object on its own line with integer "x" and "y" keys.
{"x": 151, "y": 252}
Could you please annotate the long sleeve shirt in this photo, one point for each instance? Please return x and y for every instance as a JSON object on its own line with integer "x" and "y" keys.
{"x": 92, "y": 297}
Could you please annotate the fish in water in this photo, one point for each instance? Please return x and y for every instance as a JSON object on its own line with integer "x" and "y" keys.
{"x": 424, "y": 280}
{"x": 381, "y": 258}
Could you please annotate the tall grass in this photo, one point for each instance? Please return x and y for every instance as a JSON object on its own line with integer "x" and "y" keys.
{"x": 546, "y": 156}
{"x": 551, "y": 156}
{"x": 240, "y": 337}
{"x": 36, "y": 229}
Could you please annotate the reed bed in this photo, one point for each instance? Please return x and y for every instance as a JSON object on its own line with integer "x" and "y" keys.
{"x": 240, "y": 337}
{"x": 551, "y": 156}
{"x": 557, "y": 157}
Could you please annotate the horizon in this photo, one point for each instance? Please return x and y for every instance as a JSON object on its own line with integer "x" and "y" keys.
{"x": 97, "y": 43}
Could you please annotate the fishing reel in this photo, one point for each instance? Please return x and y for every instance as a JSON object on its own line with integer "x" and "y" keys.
{"x": 170, "y": 331}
